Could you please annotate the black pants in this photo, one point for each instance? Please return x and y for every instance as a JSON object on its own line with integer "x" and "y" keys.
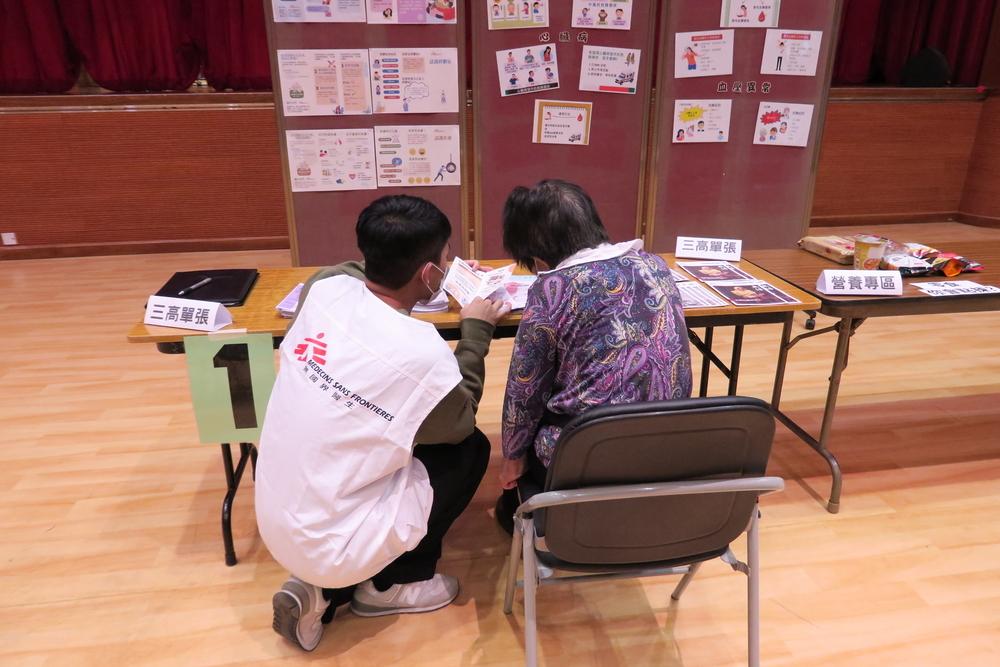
{"x": 455, "y": 472}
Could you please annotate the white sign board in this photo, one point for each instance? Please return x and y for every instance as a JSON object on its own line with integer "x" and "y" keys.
{"x": 860, "y": 283}
{"x": 693, "y": 247}
{"x": 165, "y": 311}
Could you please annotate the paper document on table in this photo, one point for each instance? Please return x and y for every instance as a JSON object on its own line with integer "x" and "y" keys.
{"x": 955, "y": 288}
{"x": 290, "y": 303}
{"x": 709, "y": 271}
{"x": 694, "y": 295}
{"x": 751, "y": 293}
{"x": 438, "y": 304}
{"x": 466, "y": 284}
{"x": 678, "y": 276}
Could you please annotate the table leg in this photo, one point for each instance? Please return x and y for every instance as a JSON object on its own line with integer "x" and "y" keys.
{"x": 734, "y": 365}
{"x": 779, "y": 373}
{"x": 705, "y": 363}
{"x": 233, "y": 476}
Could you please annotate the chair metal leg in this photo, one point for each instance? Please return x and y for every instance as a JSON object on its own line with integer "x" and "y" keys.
{"x": 227, "y": 505}
{"x": 512, "y": 563}
{"x": 685, "y": 580}
{"x": 530, "y": 591}
{"x": 253, "y": 461}
{"x": 705, "y": 363}
{"x": 753, "y": 593}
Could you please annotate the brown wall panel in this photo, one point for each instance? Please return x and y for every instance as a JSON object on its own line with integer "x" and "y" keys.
{"x": 894, "y": 159}
{"x": 982, "y": 188}
{"x": 117, "y": 176}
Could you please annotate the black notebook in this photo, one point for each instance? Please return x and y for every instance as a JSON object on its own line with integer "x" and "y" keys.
{"x": 227, "y": 286}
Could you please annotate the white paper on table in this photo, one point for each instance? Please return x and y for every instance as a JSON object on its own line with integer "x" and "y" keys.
{"x": 602, "y": 14}
{"x": 288, "y": 305}
{"x": 466, "y": 284}
{"x": 318, "y": 11}
{"x": 702, "y": 121}
{"x": 751, "y": 292}
{"x": 678, "y": 276}
{"x": 705, "y": 53}
{"x": 956, "y": 288}
{"x": 791, "y": 52}
{"x": 414, "y": 80}
{"x": 331, "y": 160}
{"x": 508, "y": 15}
{"x": 783, "y": 124}
{"x": 436, "y": 305}
{"x": 418, "y": 155}
{"x": 324, "y": 82}
{"x": 607, "y": 69}
{"x": 694, "y": 295}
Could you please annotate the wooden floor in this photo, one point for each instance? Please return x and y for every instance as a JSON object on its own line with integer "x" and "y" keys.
{"x": 109, "y": 510}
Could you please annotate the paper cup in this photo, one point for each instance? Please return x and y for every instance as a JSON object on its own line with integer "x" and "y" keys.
{"x": 868, "y": 251}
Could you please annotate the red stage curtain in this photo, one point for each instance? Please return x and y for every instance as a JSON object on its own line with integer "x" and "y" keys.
{"x": 135, "y": 46}
{"x": 233, "y": 41}
{"x": 858, "y": 30}
{"x": 878, "y": 37}
{"x": 35, "y": 56}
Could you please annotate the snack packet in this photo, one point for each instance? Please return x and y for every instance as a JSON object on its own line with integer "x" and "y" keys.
{"x": 920, "y": 251}
{"x": 838, "y": 248}
{"x": 907, "y": 265}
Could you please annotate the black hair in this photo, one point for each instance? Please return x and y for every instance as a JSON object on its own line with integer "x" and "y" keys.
{"x": 550, "y": 221}
{"x": 397, "y": 235}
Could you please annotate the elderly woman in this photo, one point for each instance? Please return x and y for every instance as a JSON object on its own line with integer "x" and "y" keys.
{"x": 603, "y": 325}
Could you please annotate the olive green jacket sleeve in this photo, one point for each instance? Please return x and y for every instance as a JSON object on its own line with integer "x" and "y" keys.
{"x": 454, "y": 418}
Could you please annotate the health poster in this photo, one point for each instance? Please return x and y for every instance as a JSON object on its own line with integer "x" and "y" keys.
{"x": 702, "y": 121}
{"x": 750, "y": 13}
{"x": 318, "y": 11}
{"x": 703, "y": 53}
{"x": 323, "y": 160}
{"x": 508, "y": 14}
{"x": 606, "y": 69}
{"x": 323, "y": 82}
{"x": 527, "y": 70}
{"x": 418, "y": 155}
{"x": 791, "y": 52}
{"x": 783, "y": 124}
{"x": 414, "y": 80}
{"x": 602, "y": 14}
{"x": 561, "y": 122}
{"x": 412, "y": 11}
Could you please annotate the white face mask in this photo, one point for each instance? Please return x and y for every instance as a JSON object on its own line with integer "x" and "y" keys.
{"x": 435, "y": 293}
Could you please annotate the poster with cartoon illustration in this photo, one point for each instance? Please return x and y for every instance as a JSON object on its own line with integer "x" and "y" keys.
{"x": 318, "y": 11}
{"x": 750, "y": 13}
{"x": 326, "y": 160}
{"x": 708, "y": 53}
{"x": 513, "y": 14}
{"x": 783, "y": 124}
{"x": 418, "y": 155}
{"x": 562, "y": 122}
{"x": 791, "y": 52}
{"x": 527, "y": 70}
{"x": 414, "y": 80}
{"x": 323, "y": 82}
{"x": 412, "y": 11}
{"x": 702, "y": 121}
{"x": 607, "y": 69}
{"x": 602, "y": 14}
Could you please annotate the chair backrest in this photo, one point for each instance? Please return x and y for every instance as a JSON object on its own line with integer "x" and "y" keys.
{"x": 927, "y": 69}
{"x": 664, "y": 441}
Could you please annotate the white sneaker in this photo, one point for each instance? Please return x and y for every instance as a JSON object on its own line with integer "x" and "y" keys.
{"x": 298, "y": 613}
{"x": 428, "y": 595}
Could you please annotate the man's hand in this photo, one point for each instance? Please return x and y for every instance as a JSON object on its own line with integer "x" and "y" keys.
{"x": 510, "y": 472}
{"x": 486, "y": 310}
{"x": 473, "y": 264}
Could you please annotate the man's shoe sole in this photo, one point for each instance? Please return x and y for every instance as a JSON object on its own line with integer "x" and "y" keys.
{"x": 287, "y": 610}
{"x": 362, "y": 609}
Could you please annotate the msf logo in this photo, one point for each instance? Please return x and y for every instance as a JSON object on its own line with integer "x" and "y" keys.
{"x": 317, "y": 348}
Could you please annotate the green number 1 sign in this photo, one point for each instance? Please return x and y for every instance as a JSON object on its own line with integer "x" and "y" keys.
{"x": 231, "y": 379}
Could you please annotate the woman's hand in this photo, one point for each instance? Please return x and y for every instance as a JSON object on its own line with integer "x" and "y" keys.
{"x": 510, "y": 471}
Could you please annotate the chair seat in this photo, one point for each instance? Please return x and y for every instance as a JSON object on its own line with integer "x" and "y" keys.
{"x": 548, "y": 560}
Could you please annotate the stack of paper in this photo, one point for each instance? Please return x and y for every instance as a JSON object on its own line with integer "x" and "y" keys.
{"x": 436, "y": 305}
{"x": 290, "y": 303}
{"x": 733, "y": 283}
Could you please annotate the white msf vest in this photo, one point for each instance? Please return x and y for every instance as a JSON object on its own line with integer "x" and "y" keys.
{"x": 338, "y": 493}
